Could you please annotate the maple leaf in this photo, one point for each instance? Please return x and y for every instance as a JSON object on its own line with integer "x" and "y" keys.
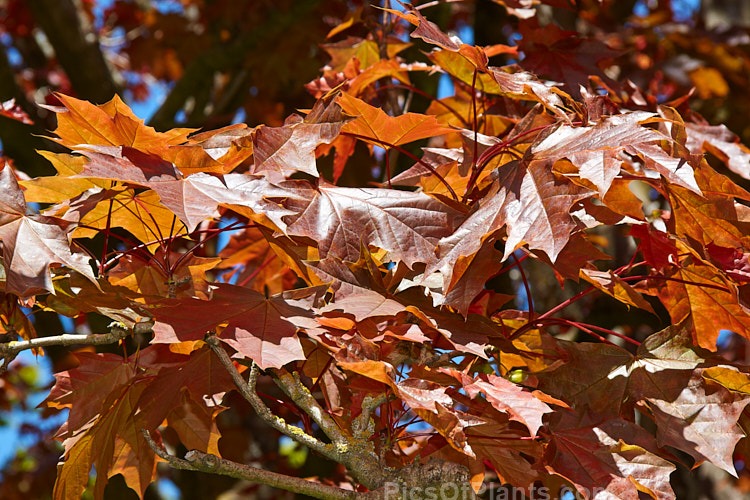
{"x": 13, "y": 321}
{"x": 505, "y": 396}
{"x": 471, "y": 334}
{"x": 110, "y": 124}
{"x": 280, "y": 151}
{"x": 340, "y": 220}
{"x": 33, "y": 243}
{"x": 530, "y": 202}
{"x": 373, "y": 125}
{"x": 666, "y": 373}
{"x": 149, "y": 278}
{"x": 594, "y": 150}
{"x": 142, "y": 215}
{"x": 562, "y": 56}
{"x": 711, "y": 218}
{"x": 199, "y": 378}
{"x": 607, "y": 459}
{"x": 388, "y": 68}
{"x": 11, "y": 110}
{"x": 732, "y": 261}
{"x": 613, "y": 285}
{"x": 257, "y": 327}
{"x": 366, "y": 52}
{"x": 102, "y": 395}
{"x": 721, "y": 142}
{"x": 698, "y": 292}
{"x": 434, "y": 406}
{"x": 75, "y": 295}
{"x": 469, "y": 276}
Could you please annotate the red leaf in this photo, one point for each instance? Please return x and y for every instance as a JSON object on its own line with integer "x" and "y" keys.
{"x": 33, "y": 243}
{"x": 10, "y": 109}
{"x": 258, "y": 328}
{"x": 376, "y": 127}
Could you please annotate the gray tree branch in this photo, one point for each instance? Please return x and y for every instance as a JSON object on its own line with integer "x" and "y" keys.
{"x": 9, "y": 350}
{"x": 247, "y": 389}
{"x": 207, "y": 462}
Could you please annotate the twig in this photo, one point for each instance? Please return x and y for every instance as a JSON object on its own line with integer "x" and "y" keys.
{"x": 8, "y": 351}
{"x": 361, "y": 425}
{"x": 247, "y": 389}
{"x": 293, "y": 387}
{"x": 207, "y": 462}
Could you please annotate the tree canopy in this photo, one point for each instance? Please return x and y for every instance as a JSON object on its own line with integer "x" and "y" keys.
{"x": 437, "y": 266}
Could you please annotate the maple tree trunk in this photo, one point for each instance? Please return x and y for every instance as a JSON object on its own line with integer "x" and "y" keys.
{"x": 76, "y": 47}
{"x": 20, "y": 139}
{"x": 198, "y": 75}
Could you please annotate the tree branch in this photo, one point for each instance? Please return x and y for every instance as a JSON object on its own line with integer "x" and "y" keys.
{"x": 293, "y": 387}
{"x": 9, "y": 351}
{"x": 207, "y": 462}
{"x": 77, "y": 49}
{"x": 361, "y": 425}
{"x": 247, "y": 389}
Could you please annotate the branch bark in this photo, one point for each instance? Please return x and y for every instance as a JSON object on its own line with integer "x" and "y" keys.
{"x": 247, "y": 389}
{"x": 207, "y": 462}
{"x": 435, "y": 479}
{"x": 8, "y": 351}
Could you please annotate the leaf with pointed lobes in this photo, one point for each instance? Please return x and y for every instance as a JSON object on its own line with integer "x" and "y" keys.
{"x": 657, "y": 247}
{"x": 514, "y": 82}
{"x": 469, "y": 277}
{"x": 666, "y": 376}
{"x": 124, "y": 163}
{"x": 13, "y": 320}
{"x": 373, "y": 125}
{"x": 142, "y": 215}
{"x": 110, "y": 124}
{"x": 471, "y": 334}
{"x": 13, "y": 111}
{"x": 563, "y": 56}
{"x": 198, "y": 380}
{"x": 733, "y": 261}
{"x": 86, "y": 389}
{"x": 147, "y": 277}
{"x": 102, "y": 394}
{"x": 722, "y": 143}
{"x": 426, "y": 30}
{"x": 280, "y": 151}
{"x": 107, "y": 445}
{"x": 258, "y": 328}
{"x": 530, "y": 202}
{"x": 614, "y": 286}
{"x": 506, "y": 397}
{"x": 594, "y": 149}
{"x": 697, "y": 291}
{"x": 607, "y": 459}
{"x": 711, "y": 218}
{"x": 430, "y": 401}
{"x": 340, "y": 220}
{"x": 33, "y": 243}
